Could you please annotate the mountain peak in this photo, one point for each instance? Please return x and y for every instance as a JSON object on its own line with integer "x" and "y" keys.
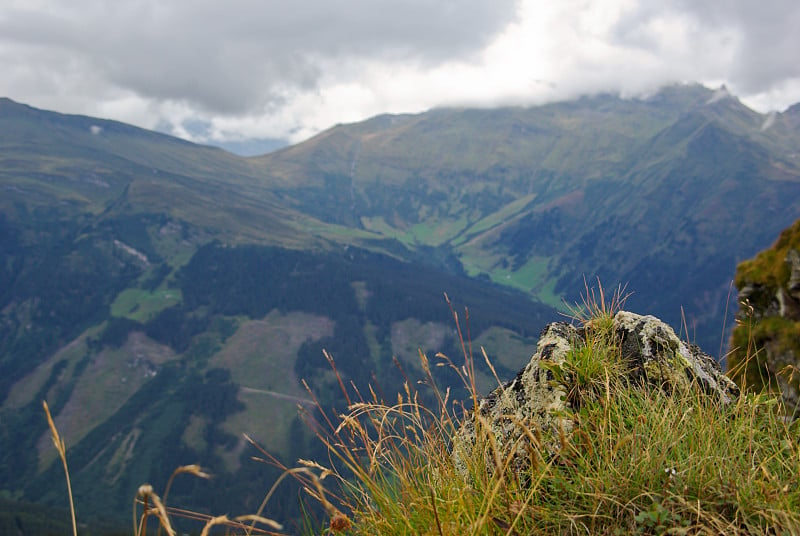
{"x": 793, "y": 110}
{"x": 721, "y": 93}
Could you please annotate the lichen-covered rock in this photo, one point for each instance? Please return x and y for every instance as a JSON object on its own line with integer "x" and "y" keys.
{"x": 661, "y": 358}
{"x": 765, "y": 344}
{"x": 530, "y": 416}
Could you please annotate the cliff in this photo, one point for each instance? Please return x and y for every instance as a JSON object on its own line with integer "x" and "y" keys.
{"x": 766, "y": 340}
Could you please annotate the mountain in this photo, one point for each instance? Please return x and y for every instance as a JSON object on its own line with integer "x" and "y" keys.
{"x": 165, "y": 297}
{"x": 663, "y": 194}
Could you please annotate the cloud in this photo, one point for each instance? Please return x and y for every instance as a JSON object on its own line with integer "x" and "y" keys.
{"x": 241, "y": 56}
{"x": 280, "y": 69}
{"x": 752, "y": 45}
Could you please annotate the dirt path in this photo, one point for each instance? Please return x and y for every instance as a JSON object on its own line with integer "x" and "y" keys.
{"x": 299, "y": 400}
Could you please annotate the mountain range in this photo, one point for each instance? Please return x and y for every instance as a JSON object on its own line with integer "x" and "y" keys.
{"x": 165, "y": 297}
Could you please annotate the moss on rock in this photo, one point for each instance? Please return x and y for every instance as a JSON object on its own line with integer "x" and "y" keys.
{"x": 766, "y": 341}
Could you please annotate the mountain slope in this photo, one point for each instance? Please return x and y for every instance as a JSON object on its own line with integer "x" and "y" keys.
{"x": 662, "y": 193}
{"x": 164, "y": 300}
{"x": 165, "y": 297}
{"x": 105, "y": 168}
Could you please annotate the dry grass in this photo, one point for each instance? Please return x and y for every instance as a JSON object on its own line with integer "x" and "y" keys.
{"x": 153, "y": 507}
{"x": 640, "y": 461}
{"x": 62, "y": 453}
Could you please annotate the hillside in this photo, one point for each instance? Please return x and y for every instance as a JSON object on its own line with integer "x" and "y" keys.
{"x": 165, "y": 297}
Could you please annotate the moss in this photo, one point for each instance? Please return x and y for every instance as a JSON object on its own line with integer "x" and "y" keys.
{"x": 769, "y": 268}
{"x": 784, "y": 331}
{"x": 764, "y": 343}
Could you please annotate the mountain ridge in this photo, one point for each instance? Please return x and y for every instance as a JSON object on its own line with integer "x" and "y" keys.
{"x": 620, "y": 144}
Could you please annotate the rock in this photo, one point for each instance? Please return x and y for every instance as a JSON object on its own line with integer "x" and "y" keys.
{"x": 662, "y": 359}
{"x": 537, "y": 406}
{"x": 793, "y": 260}
{"x": 791, "y": 305}
{"x": 765, "y": 344}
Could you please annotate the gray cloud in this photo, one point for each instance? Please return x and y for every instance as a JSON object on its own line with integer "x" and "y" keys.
{"x": 243, "y": 55}
{"x": 259, "y": 69}
{"x": 755, "y": 42}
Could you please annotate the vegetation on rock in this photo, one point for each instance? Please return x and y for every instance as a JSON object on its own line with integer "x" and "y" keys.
{"x": 565, "y": 374}
{"x": 766, "y": 340}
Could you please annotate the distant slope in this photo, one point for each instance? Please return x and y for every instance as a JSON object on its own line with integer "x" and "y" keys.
{"x": 135, "y": 399}
{"x": 105, "y": 168}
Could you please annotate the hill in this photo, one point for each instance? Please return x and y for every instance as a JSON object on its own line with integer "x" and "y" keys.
{"x": 165, "y": 297}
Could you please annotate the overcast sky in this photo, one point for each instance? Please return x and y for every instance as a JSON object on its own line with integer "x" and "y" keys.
{"x": 237, "y": 69}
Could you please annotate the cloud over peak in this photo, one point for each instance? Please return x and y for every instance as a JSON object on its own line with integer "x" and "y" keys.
{"x": 251, "y": 69}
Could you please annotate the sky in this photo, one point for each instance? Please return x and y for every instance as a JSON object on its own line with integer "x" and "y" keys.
{"x": 237, "y": 70}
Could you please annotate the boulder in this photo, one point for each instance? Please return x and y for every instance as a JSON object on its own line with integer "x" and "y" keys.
{"x": 765, "y": 344}
{"x": 538, "y": 404}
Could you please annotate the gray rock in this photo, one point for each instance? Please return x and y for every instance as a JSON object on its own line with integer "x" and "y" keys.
{"x": 528, "y": 418}
{"x": 793, "y": 260}
{"x": 662, "y": 359}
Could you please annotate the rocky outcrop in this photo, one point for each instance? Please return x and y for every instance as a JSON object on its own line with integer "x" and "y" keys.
{"x": 766, "y": 341}
{"x": 537, "y": 405}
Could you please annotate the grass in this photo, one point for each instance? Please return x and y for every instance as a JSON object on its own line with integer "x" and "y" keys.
{"x": 142, "y": 305}
{"x": 58, "y": 442}
{"x": 531, "y": 278}
{"x": 638, "y": 460}
{"x": 496, "y": 218}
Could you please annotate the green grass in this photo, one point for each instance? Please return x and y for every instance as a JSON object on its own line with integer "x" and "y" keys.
{"x": 496, "y": 218}
{"x": 141, "y": 305}
{"x": 332, "y": 230}
{"x": 438, "y": 232}
{"x": 429, "y": 232}
{"x": 531, "y": 278}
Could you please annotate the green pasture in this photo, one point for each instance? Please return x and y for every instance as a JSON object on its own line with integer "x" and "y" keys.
{"x": 141, "y": 305}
